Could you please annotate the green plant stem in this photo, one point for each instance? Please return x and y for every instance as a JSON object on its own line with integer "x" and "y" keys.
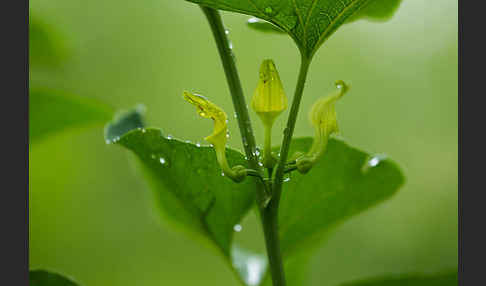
{"x": 269, "y": 214}
{"x": 268, "y": 160}
{"x": 233, "y": 79}
{"x": 289, "y": 130}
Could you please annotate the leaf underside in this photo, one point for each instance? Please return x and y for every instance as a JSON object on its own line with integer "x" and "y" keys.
{"x": 308, "y": 22}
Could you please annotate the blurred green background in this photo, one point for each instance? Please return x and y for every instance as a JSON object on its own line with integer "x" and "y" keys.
{"x": 90, "y": 211}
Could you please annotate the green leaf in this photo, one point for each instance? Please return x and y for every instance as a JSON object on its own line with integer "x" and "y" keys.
{"x": 53, "y": 111}
{"x": 448, "y": 279}
{"x": 189, "y": 188}
{"x": 377, "y": 10}
{"x": 308, "y": 22}
{"x": 344, "y": 183}
{"x": 44, "y": 278}
{"x": 46, "y": 47}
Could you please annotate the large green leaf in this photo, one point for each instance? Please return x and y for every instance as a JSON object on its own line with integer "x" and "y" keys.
{"x": 345, "y": 182}
{"x": 53, "y": 111}
{"x": 448, "y": 279}
{"x": 308, "y": 22}
{"x": 45, "y": 278}
{"x": 190, "y": 190}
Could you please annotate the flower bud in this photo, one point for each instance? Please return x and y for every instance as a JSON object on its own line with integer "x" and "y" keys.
{"x": 269, "y": 99}
{"x": 268, "y": 102}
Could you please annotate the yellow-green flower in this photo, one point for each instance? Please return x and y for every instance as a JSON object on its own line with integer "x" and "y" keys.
{"x": 269, "y": 98}
{"x": 219, "y": 137}
{"x": 323, "y": 118}
{"x": 268, "y": 102}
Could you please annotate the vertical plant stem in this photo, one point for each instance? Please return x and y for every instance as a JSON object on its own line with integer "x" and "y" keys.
{"x": 267, "y": 148}
{"x": 233, "y": 79}
{"x": 269, "y": 214}
{"x": 289, "y": 130}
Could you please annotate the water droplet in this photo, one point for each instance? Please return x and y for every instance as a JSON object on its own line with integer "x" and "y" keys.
{"x": 107, "y": 141}
{"x": 226, "y": 31}
{"x": 268, "y": 10}
{"x": 372, "y": 162}
{"x": 187, "y": 141}
{"x": 143, "y": 130}
{"x": 169, "y": 137}
{"x": 260, "y": 164}
{"x": 198, "y": 144}
{"x": 222, "y": 174}
{"x": 257, "y": 152}
{"x": 253, "y": 20}
{"x": 237, "y": 228}
{"x": 162, "y": 161}
{"x": 286, "y": 177}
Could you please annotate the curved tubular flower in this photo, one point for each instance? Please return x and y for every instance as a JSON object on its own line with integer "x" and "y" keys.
{"x": 268, "y": 101}
{"x": 323, "y": 118}
{"x": 219, "y": 137}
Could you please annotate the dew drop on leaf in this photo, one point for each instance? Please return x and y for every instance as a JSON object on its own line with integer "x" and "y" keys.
{"x": 372, "y": 162}
{"x": 162, "y": 161}
{"x": 237, "y": 227}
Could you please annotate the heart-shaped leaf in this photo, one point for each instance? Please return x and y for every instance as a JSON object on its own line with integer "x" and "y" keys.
{"x": 45, "y": 278}
{"x": 447, "y": 279}
{"x": 54, "y": 111}
{"x": 308, "y": 22}
{"x": 343, "y": 183}
{"x": 189, "y": 188}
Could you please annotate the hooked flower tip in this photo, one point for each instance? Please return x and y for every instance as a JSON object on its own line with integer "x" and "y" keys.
{"x": 323, "y": 112}
{"x": 207, "y": 109}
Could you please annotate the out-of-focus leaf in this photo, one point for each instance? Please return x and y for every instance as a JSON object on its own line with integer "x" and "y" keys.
{"x": 308, "y": 22}
{"x": 45, "y": 278}
{"x": 53, "y": 111}
{"x": 189, "y": 189}
{"x": 46, "y": 47}
{"x": 448, "y": 279}
{"x": 124, "y": 122}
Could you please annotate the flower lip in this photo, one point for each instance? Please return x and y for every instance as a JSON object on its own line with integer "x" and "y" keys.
{"x": 207, "y": 109}
{"x": 323, "y": 112}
